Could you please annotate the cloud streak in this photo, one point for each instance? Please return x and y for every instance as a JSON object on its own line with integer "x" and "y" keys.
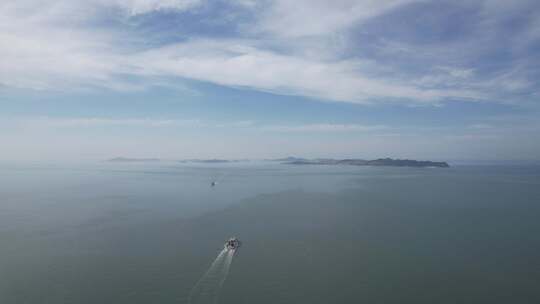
{"x": 301, "y": 18}
{"x": 92, "y": 122}
{"x": 325, "y": 127}
{"x": 289, "y": 47}
{"x": 98, "y": 122}
{"x": 137, "y": 7}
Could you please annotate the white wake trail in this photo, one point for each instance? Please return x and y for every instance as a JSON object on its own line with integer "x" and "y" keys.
{"x": 226, "y": 266}
{"x": 207, "y": 288}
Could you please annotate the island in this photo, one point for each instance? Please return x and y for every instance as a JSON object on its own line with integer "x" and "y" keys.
{"x": 389, "y": 162}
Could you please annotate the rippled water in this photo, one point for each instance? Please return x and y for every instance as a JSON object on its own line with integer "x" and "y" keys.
{"x": 146, "y": 233}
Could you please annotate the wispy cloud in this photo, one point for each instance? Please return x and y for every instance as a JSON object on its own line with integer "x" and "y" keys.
{"x": 325, "y": 127}
{"x": 48, "y": 122}
{"x": 480, "y": 126}
{"x": 136, "y": 7}
{"x": 304, "y": 48}
{"x": 308, "y": 18}
{"x": 242, "y": 64}
{"x": 93, "y": 122}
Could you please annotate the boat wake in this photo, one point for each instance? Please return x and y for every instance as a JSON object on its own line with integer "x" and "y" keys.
{"x": 208, "y": 287}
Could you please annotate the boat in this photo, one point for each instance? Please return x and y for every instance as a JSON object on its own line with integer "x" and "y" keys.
{"x": 232, "y": 244}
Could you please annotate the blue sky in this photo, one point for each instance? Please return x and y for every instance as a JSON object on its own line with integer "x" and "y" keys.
{"x": 177, "y": 79}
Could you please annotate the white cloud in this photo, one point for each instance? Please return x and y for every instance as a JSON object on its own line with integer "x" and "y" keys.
{"x": 75, "y": 138}
{"x": 480, "y": 126}
{"x": 457, "y": 72}
{"x": 50, "y": 45}
{"x": 46, "y": 122}
{"x": 92, "y": 122}
{"x": 40, "y": 49}
{"x": 52, "y": 122}
{"x": 300, "y": 18}
{"x": 325, "y": 127}
{"x": 237, "y": 124}
{"x": 241, "y": 63}
{"x": 136, "y": 7}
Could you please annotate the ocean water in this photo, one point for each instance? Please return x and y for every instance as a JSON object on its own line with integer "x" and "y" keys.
{"x": 148, "y": 232}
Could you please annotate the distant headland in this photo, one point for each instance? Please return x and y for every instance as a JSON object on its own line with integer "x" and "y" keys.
{"x": 362, "y": 162}
{"x": 389, "y": 162}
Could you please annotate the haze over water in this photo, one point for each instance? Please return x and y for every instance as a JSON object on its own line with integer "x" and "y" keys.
{"x": 146, "y": 233}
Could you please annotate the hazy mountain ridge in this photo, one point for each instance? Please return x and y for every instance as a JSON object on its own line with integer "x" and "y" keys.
{"x": 304, "y": 161}
{"x": 362, "y": 162}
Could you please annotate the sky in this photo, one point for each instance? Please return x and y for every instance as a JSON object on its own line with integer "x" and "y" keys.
{"x": 174, "y": 79}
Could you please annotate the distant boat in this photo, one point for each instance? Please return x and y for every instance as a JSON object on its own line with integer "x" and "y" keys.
{"x": 213, "y": 184}
{"x": 232, "y": 244}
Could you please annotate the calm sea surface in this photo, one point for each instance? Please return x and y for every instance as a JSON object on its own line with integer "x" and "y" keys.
{"x": 146, "y": 233}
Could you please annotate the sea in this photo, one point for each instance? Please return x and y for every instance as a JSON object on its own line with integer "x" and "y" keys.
{"x": 128, "y": 233}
